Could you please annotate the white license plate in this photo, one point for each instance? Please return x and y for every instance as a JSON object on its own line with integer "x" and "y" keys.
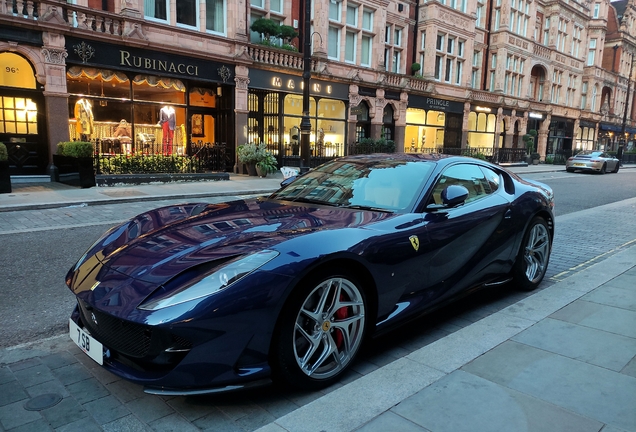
{"x": 86, "y": 342}
{"x": 579, "y": 164}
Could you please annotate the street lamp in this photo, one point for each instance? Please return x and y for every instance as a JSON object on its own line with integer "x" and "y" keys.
{"x": 621, "y": 144}
{"x": 305, "y": 123}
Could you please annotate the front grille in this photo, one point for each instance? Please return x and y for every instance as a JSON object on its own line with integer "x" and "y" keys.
{"x": 128, "y": 338}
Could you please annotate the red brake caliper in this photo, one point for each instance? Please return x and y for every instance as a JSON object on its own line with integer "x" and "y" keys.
{"x": 341, "y": 314}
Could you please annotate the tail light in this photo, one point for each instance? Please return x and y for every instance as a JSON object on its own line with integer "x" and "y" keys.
{"x": 571, "y": 158}
{"x": 596, "y": 160}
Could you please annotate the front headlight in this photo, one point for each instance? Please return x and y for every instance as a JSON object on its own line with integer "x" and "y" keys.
{"x": 220, "y": 279}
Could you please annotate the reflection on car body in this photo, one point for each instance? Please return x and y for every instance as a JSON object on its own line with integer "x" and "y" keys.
{"x": 198, "y": 298}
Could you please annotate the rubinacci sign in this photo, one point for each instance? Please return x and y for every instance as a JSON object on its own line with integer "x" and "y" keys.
{"x": 155, "y": 65}
{"x": 110, "y": 56}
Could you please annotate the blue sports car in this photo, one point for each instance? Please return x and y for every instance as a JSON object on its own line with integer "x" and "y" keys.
{"x": 200, "y": 298}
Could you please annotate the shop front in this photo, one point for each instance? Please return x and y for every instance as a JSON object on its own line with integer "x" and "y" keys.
{"x": 560, "y": 137}
{"x": 584, "y": 137}
{"x": 432, "y": 125}
{"x": 22, "y": 122}
{"x": 131, "y": 101}
{"x": 482, "y": 121}
{"x": 275, "y": 104}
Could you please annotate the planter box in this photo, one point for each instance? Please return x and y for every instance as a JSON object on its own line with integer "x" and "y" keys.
{"x": 5, "y": 177}
{"x": 75, "y": 171}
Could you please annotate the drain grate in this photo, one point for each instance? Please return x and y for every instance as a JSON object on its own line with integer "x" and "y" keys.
{"x": 41, "y": 402}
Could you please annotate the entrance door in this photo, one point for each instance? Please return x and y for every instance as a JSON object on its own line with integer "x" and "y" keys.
{"x": 23, "y": 131}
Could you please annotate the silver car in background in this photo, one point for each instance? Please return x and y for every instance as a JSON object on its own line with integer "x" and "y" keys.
{"x": 591, "y": 160}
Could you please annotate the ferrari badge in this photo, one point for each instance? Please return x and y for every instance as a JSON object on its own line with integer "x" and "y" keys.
{"x": 415, "y": 242}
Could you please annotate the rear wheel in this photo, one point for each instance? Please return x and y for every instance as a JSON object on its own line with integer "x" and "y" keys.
{"x": 569, "y": 169}
{"x": 320, "y": 331}
{"x": 618, "y": 165}
{"x": 603, "y": 169}
{"x": 533, "y": 257}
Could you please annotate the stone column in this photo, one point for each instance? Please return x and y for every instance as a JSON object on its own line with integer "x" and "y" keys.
{"x": 241, "y": 112}
{"x": 55, "y": 95}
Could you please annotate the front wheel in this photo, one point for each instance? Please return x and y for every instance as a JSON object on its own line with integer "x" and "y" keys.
{"x": 320, "y": 331}
{"x": 533, "y": 257}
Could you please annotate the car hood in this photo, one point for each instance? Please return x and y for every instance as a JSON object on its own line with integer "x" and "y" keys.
{"x": 158, "y": 245}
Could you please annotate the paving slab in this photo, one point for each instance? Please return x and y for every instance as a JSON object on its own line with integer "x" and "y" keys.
{"x": 591, "y": 391}
{"x": 462, "y": 402}
{"x": 608, "y": 318}
{"x": 601, "y": 348}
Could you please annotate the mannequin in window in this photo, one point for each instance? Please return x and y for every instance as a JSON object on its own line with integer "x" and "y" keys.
{"x": 168, "y": 122}
{"x": 83, "y": 119}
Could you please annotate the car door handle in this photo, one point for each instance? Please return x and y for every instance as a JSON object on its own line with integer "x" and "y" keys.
{"x": 508, "y": 214}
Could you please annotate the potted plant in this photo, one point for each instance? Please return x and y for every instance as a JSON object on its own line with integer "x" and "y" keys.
{"x": 528, "y": 140}
{"x": 74, "y": 160}
{"x": 253, "y": 155}
{"x": 266, "y": 165}
{"x": 535, "y": 157}
{"x": 415, "y": 68}
{"x": 5, "y": 176}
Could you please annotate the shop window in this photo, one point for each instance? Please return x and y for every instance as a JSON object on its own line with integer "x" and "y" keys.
{"x": 388, "y": 124}
{"x": 17, "y": 71}
{"x": 18, "y": 116}
{"x": 424, "y": 130}
{"x": 363, "y": 125}
{"x": 203, "y": 97}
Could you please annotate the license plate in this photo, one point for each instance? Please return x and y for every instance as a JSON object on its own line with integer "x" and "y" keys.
{"x": 86, "y": 342}
{"x": 579, "y": 164}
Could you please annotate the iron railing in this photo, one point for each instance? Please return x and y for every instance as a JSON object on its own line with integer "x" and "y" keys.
{"x": 153, "y": 159}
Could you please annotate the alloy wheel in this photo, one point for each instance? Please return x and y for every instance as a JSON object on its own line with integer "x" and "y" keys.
{"x": 537, "y": 252}
{"x": 329, "y": 328}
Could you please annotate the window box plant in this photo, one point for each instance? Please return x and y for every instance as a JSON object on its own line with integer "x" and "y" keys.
{"x": 74, "y": 161}
{"x": 5, "y": 176}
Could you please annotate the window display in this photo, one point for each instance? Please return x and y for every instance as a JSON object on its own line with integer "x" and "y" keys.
{"x": 424, "y": 131}
{"x": 84, "y": 119}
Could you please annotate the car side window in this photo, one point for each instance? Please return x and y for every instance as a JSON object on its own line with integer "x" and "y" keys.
{"x": 492, "y": 178}
{"x": 467, "y": 175}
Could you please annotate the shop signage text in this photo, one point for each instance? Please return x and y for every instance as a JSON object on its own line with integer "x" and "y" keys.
{"x": 129, "y": 60}
{"x": 295, "y": 84}
{"x": 429, "y": 103}
{"x": 290, "y": 84}
{"x": 535, "y": 115}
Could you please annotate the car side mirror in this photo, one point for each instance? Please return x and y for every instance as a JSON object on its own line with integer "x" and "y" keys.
{"x": 454, "y": 195}
{"x": 287, "y": 181}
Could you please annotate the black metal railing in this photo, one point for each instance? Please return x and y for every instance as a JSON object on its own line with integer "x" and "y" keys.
{"x": 289, "y": 155}
{"x": 156, "y": 158}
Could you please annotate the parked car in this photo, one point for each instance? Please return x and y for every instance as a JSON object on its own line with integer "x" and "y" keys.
{"x": 198, "y": 298}
{"x": 591, "y": 160}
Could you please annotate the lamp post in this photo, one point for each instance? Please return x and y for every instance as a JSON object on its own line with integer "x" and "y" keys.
{"x": 305, "y": 123}
{"x": 621, "y": 145}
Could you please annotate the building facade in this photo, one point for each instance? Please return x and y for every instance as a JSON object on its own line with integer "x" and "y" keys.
{"x": 156, "y": 76}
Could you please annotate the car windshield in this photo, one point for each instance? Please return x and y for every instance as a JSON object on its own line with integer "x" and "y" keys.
{"x": 385, "y": 185}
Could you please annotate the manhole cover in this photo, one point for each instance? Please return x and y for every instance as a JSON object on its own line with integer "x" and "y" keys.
{"x": 41, "y": 402}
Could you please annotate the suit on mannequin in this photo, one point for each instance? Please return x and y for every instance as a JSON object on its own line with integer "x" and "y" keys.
{"x": 84, "y": 119}
{"x": 168, "y": 122}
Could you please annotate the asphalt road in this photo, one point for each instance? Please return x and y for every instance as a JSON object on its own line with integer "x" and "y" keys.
{"x": 36, "y": 303}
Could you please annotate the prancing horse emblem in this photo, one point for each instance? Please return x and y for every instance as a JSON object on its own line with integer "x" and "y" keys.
{"x": 415, "y": 242}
